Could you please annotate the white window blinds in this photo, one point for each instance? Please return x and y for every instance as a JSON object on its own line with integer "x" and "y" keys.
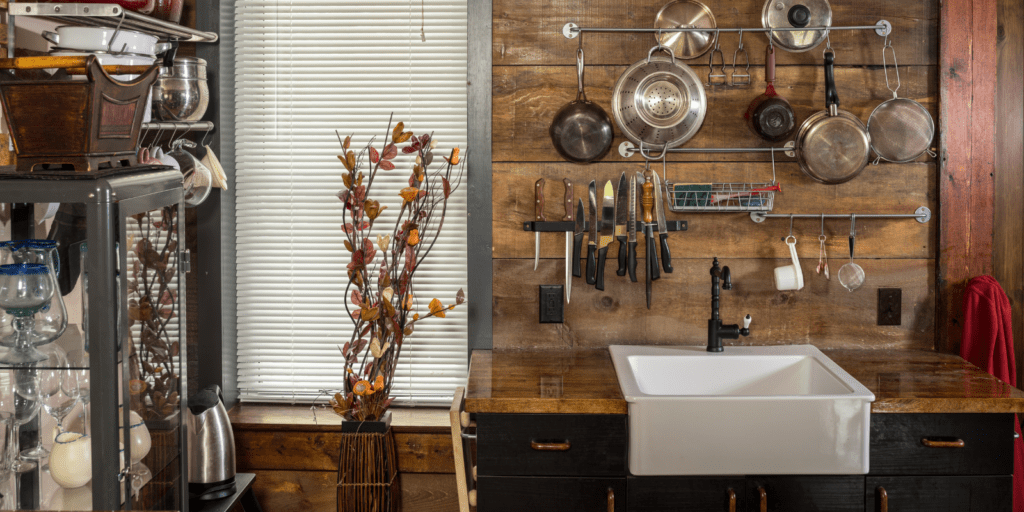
{"x": 305, "y": 68}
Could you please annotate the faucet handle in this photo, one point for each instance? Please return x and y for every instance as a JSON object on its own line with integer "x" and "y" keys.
{"x": 746, "y": 322}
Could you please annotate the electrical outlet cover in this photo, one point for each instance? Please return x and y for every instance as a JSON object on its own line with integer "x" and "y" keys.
{"x": 890, "y": 302}
{"x": 551, "y": 310}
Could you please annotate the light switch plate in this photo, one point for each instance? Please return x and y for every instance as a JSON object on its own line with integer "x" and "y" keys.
{"x": 890, "y": 311}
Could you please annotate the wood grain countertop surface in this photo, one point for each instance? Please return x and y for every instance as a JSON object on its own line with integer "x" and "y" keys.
{"x": 584, "y": 382}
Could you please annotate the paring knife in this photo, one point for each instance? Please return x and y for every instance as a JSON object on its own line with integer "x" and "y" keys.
{"x": 538, "y": 209}
{"x": 631, "y": 230}
{"x": 607, "y": 231}
{"x": 580, "y": 220}
{"x": 595, "y": 225}
{"x": 568, "y": 239}
{"x": 659, "y": 208}
{"x": 621, "y": 217}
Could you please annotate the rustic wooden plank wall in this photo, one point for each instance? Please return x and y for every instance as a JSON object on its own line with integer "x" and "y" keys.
{"x": 534, "y": 75}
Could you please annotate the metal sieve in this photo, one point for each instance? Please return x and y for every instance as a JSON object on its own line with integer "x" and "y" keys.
{"x": 659, "y": 101}
{"x": 901, "y": 129}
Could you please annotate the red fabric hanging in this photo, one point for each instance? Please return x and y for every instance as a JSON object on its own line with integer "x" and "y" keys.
{"x": 988, "y": 344}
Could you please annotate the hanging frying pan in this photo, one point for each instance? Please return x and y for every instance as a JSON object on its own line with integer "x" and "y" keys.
{"x": 581, "y": 130}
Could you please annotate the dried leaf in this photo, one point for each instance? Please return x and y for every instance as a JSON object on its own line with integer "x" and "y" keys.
{"x": 356, "y": 297}
{"x": 414, "y": 237}
{"x": 409, "y": 194}
{"x": 347, "y": 179}
{"x": 347, "y": 228}
{"x": 383, "y": 241}
{"x": 454, "y": 159}
{"x": 388, "y": 294}
{"x": 374, "y": 155}
{"x": 403, "y": 137}
{"x": 350, "y": 161}
{"x": 368, "y": 250}
{"x": 446, "y": 186}
{"x": 436, "y": 308}
{"x": 370, "y": 314}
{"x": 348, "y": 245}
{"x": 419, "y": 173}
{"x": 408, "y": 330}
{"x": 460, "y": 297}
{"x": 375, "y": 348}
{"x": 408, "y": 302}
{"x": 397, "y": 132}
{"x": 389, "y": 309}
{"x": 372, "y": 208}
{"x": 347, "y": 143}
{"x": 428, "y": 158}
{"x": 390, "y": 151}
{"x": 387, "y": 166}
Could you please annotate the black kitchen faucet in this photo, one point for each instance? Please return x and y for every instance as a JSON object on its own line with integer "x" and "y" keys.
{"x": 716, "y": 331}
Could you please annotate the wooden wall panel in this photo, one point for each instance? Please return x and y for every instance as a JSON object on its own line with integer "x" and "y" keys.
{"x": 823, "y": 313}
{"x": 297, "y": 450}
{"x": 533, "y": 76}
{"x": 528, "y": 32}
{"x": 305, "y": 491}
{"x": 527, "y": 98}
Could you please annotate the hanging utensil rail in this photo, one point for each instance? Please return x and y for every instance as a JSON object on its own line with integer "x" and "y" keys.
{"x": 628, "y": 149}
{"x": 188, "y": 126}
{"x": 922, "y": 215}
{"x": 572, "y": 30}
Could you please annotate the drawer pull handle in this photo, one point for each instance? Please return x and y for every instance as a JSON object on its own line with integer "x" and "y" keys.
{"x": 611, "y": 500}
{"x": 942, "y": 442}
{"x": 883, "y": 500}
{"x": 548, "y": 446}
{"x": 762, "y": 497}
{"x": 731, "y": 496}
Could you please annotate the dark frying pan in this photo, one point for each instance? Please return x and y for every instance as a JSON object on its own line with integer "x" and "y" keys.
{"x": 581, "y": 130}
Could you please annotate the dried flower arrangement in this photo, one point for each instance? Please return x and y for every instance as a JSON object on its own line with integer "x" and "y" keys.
{"x": 381, "y": 288}
{"x": 152, "y": 305}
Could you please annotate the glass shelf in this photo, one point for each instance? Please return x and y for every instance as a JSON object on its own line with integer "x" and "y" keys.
{"x": 111, "y": 15}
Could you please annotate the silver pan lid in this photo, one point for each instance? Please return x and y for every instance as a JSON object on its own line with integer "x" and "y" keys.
{"x": 796, "y": 13}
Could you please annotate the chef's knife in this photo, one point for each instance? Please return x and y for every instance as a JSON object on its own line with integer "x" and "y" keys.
{"x": 631, "y": 230}
{"x": 595, "y": 226}
{"x": 580, "y": 220}
{"x": 659, "y": 208}
{"x": 621, "y": 217}
{"x": 568, "y": 239}
{"x": 538, "y": 208}
{"x": 607, "y": 231}
{"x": 647, "y": 200}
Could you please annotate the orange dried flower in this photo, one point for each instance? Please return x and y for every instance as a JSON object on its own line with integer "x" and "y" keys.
{"x": 414, "y": 237}
{"x": 362, "y": 388}
{"x": 379, "y": 383}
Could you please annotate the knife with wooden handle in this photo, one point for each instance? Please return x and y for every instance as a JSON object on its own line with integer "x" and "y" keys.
{"x": 538, "y": 209}
{"x": 595, "y": 225}
{"x": 631, "y": 232}
{"x": 621, "y": 216}
{"x": 647, "y": 200}
{"x": 577, "y": 247}
{"x": 568, "y": 239}
{"x": 659, "y": 209}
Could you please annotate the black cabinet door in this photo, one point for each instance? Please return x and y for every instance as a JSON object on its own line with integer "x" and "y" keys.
{"x": 685, "y": 493}
{"x": 550, "y": 494}
{"x": 552, "y": 444}
{"x": 939, "y": 494}
{"x": 805, "y": 493}
{"x": 941, "y": 444}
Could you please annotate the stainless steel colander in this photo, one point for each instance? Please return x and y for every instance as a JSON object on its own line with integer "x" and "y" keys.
{"x": 659, "y": 101}
{"x": 901, "y": 129}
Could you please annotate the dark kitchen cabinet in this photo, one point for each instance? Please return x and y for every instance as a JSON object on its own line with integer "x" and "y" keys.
{"x": 746, "y": 494}
{"x": 550, "y": 494}
{"x": 939, "y": 493}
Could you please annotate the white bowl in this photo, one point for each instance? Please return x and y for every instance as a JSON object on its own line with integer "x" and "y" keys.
{"x": 98, "y": 39}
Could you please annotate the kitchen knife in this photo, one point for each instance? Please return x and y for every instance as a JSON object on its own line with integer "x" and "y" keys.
{"x": 607, "y": 231}
{"x": 595, "y": 226}
{"x": 631, "y": 230}
{"x": 568, "y": 239}
{"x": 659, "y": 208}
{"x": 538, "y": 209}
{"x": 621, "y": 217}
{"x": 647, "y": 200}
{"x": 580, "y": 220}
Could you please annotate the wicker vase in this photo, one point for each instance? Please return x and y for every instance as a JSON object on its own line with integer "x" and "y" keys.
{"x": 368, "y": 467}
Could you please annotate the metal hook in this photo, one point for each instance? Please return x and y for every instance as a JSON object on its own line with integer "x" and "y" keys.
{"x": 712, "y": 76}
{"x": 823, "y": 224}
{"x": 746, "y": 58}
{"x": 205, "y": 136}
{"x": 117, "y": 30}
{"x": 648, "y": 156}
{"x": 790, "y": 226}
{"x": 828, "y": 44}
{"x": 895, "y": 66}
{"x": 771, "y": 37}
{"x": 773, "y": 165}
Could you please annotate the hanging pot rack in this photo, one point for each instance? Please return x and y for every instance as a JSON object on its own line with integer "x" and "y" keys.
{"x": 572, "y": 31}
{"x": 923, "y": 214}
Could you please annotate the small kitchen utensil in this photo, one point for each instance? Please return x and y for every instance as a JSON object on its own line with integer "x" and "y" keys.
{"x": 538, "y": 210}
{"x": 744, "y": 77}
{"x": 659, "y": 101}
{"x": 714, "y": 78}
{"x": 607, "y": 232}
{"x": 851, "y": 275}
{"x": 686, "y": 14}
{"x": 790, "y": 277}
{"x": 581, "y": 130}
{"x": 197, "y": 179}
{"x": 822, "y": 253}
{"x": 796, "y": 13}
{"x": 832, "y": 146}
{"x": 568, "y": 238}
{"x": 181, "y": 93}
{"x": 770, "y": 116}
{"x": 901, "y": 129}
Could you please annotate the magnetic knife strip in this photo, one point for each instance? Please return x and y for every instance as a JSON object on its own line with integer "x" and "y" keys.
{"x": 563, "y": 226}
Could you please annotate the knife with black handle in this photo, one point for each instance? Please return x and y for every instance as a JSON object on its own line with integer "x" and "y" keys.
{"x": 577, "y": 247}
{"x": 631, "y": 232}
{"x": 621, "y": 215}
{"x": 659, "y": 209}
{"x": 595, "y": 216}
{"x": 607, "y": 231}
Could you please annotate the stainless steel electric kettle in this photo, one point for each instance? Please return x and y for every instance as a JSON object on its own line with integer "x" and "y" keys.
{"x": 211, "y": 446}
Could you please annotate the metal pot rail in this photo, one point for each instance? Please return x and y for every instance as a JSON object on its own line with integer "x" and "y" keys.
{"x": 572, "y": 30}
{"x": 923, "y": 214}
{"x": 563, "y": 226}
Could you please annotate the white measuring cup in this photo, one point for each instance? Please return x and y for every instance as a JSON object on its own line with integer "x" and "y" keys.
{"x": 790, "y": 277}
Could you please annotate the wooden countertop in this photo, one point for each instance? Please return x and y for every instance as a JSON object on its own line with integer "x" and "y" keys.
{"x": 584, "y": 382}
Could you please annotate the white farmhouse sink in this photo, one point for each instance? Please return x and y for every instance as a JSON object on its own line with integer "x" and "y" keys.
{"x": 779, "y": 410}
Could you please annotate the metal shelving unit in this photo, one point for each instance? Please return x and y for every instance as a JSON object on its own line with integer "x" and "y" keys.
{"x": 107, "y": 15}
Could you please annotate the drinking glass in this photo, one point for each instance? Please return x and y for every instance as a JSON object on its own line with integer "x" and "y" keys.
{"x": 78, "y": 366}
{"x": 25, "y": 288}
{"x": 59, "y": 405}
{"x": 45, "y": 387}
{"x": 52, "y": 319}
{"x": 26, "y": 382}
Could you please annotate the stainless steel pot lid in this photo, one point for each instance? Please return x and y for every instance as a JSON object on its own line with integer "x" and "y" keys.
{"x": 796, "y": 13}
{"x": 686, "y": 14}
{"x": 659, "y": 101}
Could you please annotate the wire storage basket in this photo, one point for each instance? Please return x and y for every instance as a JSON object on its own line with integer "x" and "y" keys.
{"x": 721, "y": 197}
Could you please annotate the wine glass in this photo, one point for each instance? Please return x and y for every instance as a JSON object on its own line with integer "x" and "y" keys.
{"x": 52, "y": 319}
{"x": 25, "y": 288}
{"x": 26, "y": 383}
{"x": 46, "y": 387}
{"x": 78, "y": 366}
{"x": 59, "y": 405}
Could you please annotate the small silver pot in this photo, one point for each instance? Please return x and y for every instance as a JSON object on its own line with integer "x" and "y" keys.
{"x": 181, "y": 92}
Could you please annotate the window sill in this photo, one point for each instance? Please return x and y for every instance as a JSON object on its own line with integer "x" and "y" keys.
{"x": 301, "y": 418}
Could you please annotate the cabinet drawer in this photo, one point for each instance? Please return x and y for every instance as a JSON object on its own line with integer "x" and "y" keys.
{"x": 939, "y": 493}
{"x": 550, "y": 494}
{"x": 677, "y": 493}
{"x": 818, "y": 493}
{"x": 941, "y": 444}
{"x": 551, "y": 444}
